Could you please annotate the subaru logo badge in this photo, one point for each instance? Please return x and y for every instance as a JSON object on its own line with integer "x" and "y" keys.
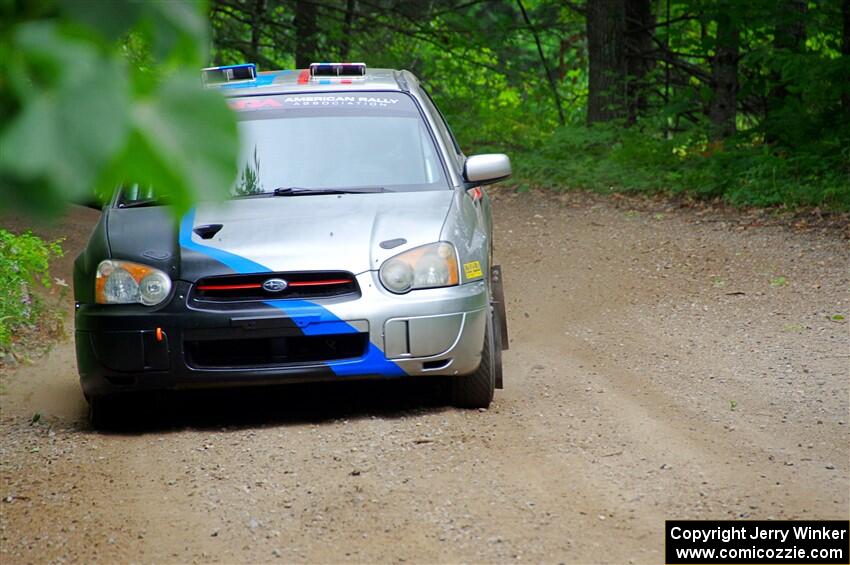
{"x": 275, "y": 285}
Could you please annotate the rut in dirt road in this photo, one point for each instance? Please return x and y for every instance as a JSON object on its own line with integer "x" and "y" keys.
{"x": 658, "y": 369}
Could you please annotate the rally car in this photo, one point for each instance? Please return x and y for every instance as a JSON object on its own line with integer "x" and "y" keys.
{"x": 357, "y": 244}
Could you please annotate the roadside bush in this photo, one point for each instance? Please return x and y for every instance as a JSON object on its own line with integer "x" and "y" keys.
{"x": 24, "y": 264}
{"x": 743, "y": 172}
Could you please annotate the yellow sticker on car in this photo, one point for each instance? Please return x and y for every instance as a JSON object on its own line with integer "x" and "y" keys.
{"x": 472, "y": 269}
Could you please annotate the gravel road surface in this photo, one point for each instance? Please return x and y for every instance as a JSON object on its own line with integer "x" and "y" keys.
{"x": 665, "y": 363}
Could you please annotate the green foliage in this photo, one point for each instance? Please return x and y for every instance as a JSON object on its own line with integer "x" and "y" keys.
{"x": 99, "y": 93}
{"x": 249, "y": 178}
{"x": 86, "y": 111}
{"x": 480, "y": 63}
{"x": 24, "y": 264}
{"x": 744, "y": 172}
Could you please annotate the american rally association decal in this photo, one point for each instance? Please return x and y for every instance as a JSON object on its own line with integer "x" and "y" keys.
{"x": 334, "y": 100}
{"x": 472, "y": 269}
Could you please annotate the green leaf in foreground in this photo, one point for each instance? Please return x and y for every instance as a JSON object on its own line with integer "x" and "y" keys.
{"x": 81, "y": 119}
{"x": 778, "y": 282}
{"x": 70, "y": 126}
{"x": 184, "y": 139}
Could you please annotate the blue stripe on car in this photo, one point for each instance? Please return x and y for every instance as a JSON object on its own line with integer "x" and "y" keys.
{"x": 310, "y": 317}
{"x": 235, "y": 262}
{"x": 305, "y": 313}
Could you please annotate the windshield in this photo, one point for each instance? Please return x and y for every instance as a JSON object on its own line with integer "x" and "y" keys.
{"x": 298, "y": 143}
{"x": 334, "y": 141}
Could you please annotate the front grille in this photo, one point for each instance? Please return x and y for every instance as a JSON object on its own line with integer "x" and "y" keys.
{"x": 274, "y": 351}
{"x": 305, "y": 285}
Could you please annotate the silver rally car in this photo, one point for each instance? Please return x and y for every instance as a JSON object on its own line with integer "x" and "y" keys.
{"x": 357, "y": 244}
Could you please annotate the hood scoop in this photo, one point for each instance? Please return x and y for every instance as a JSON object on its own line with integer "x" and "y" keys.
{"x": 392, "y": 243}
{"x": 208, "y": 231}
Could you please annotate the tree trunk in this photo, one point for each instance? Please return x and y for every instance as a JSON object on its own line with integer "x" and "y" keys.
{"x": 606, "y": 23}
{"x": 790, "y": 32}
{"x": 412, "y": 9}
{"x": 788, "y": 36}
{"x": 724, "y": 79}
{"x": 257, "y": 15}
{"x": 306, "y": 34}
{"x": 639, "y": 22}
{"x": 347, "y": 27}
{"x": 845, "y": 51}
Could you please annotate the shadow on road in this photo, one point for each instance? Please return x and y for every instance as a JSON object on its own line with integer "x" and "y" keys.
{"x": 273, "y": 406}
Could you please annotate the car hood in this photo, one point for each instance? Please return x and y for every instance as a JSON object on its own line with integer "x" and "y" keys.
{"x": 310, "y": 233}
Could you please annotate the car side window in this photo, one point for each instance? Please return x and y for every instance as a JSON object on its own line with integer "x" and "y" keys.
{"x": 135, "y": 192}
{"x": 444, "y": 130}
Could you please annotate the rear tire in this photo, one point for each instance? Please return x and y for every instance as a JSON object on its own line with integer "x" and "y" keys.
{"x": 476, "y": 390}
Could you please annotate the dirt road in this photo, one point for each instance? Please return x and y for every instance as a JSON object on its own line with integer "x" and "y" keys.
{"x": 663, "y": 364}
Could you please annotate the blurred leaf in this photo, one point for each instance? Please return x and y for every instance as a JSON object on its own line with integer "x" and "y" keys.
{"x": 183, "y": 141}
{"x": 66, "y": 132}
{"x": 105, "y": 17}
{"x": 179, "y": 31}
{"x": 87, "y": 111}
{"x": 175, "y": 27}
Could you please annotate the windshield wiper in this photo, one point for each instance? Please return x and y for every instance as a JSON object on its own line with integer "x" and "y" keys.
{"x": 297, "y": 191}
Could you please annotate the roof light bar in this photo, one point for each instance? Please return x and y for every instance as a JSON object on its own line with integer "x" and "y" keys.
{"x": 337, "y": 69}
{"x": 229, "y": 73}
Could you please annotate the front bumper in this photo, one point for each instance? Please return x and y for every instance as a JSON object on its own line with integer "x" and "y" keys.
{"x": 132, "y": 347}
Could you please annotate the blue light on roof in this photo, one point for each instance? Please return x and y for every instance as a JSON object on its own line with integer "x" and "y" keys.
{"x": 261, "y": 80}
{"x": 229, "y": 73}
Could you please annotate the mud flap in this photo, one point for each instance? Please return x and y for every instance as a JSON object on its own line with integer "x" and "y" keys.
{"x": 499, "y": 303}
{"x": 501, "y": 331}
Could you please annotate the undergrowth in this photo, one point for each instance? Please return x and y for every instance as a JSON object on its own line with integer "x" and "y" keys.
{"x": 24, "y": 267}
{"x": 743, "y": 171}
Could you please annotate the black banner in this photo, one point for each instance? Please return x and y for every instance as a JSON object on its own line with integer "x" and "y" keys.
{"x": 816, "y": 542}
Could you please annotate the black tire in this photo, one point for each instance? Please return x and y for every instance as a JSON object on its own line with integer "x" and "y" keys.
{"x": 103, "y": 414}
{"x": 476, "y": 390}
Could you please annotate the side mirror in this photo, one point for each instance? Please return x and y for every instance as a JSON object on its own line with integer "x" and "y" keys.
{"x": 487, "y": 169}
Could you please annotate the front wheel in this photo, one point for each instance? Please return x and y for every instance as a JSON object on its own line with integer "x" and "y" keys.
{"x": 476, "y": 390}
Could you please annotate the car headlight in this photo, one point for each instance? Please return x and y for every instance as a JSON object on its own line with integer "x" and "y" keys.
{"x": 428, "y": 266}
{"x": 123, "y": 282}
